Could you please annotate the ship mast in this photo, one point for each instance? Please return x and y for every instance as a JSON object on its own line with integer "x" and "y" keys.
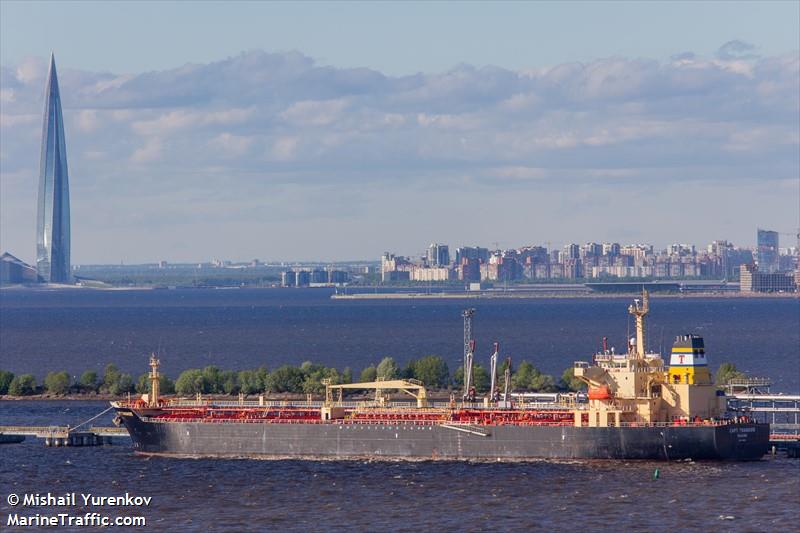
{"x": 639, "y": 310}
{"x": 154, "y": 381}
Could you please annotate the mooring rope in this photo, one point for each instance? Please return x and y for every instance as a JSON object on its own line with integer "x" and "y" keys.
{"x": 94, "y": 417}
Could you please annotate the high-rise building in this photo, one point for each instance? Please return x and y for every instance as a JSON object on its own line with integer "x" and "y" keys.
{"x": 472, "y": 252}
{"x": 767, "y": 251}
{"x": 611, "y": 248}
{"x": 52, "y": 226}
{"x": 319, "y": 276}
{"x": 337, "y": 277}
{"x": 438, "y": 255}
{"x": 302, "y": 278}
{"x": 591, "y": 249}
{"x": 469, "y": 269}
{"x": 572, "y": 251}
{"x": 288, "y": 278}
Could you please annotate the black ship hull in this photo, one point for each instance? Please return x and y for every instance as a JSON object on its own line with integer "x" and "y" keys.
{"x": 411, "y": 440}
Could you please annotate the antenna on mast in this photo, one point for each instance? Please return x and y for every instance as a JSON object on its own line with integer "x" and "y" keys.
{"x": 639, "y": 310}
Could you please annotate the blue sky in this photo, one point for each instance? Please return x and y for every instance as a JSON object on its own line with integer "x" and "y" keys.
{"x": 395, "y": 38}
{"x": 339, "y": 130}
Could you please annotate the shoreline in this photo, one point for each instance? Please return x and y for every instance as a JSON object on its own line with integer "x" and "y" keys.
{"x": 280, "y": 397}
{"x": 420, "y": 293}
{"x": 491, "y": 295}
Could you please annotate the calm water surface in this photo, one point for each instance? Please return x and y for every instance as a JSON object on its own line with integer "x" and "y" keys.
{"x": 79, "y": 329}
{"x": 248, "y": 495}
{"x": 76, "y": 330}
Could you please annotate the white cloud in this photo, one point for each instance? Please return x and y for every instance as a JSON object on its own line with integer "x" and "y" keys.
{"x": 736, "y": 49}
{"x": 253, "y": 124}
{"x": 6, "y": 96}
{"x": 284, "y": 149}
{"x": 10, "y": 121}
{"x": 231, "y": 145}
{"x": 151, "y": 151}
{"x": 31, "y": 70}
{"x": 88, "y": 120}
{"x": 314, "y": 113}
{"x": 180, "y": 119}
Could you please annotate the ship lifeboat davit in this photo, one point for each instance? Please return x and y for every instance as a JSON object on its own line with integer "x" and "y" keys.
{"x": 600, "y": 393}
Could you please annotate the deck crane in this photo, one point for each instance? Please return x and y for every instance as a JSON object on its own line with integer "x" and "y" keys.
{"x": 469, "y": 351}
{"x": 493, "y": 392}
{"x": 507, "y": 380}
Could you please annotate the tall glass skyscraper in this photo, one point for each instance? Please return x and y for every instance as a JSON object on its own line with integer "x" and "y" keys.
{"x": 52, "y": 226}
{"x": 767, "y": 252}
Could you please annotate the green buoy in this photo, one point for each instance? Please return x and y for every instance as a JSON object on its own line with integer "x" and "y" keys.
{"x": 656, "y": 474}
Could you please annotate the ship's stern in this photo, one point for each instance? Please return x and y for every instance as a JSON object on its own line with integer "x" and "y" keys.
{"x": 747, "y": 441}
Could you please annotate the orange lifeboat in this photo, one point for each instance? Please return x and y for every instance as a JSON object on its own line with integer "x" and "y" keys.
{"x": 599, "y": 393}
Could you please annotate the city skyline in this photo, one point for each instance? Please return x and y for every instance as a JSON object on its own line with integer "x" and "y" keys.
{"x": 789, "y": 246}
{"x": 720, "y": 259}
{"x": 281, "y": 154}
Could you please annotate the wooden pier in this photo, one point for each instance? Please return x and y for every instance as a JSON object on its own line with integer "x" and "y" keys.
{"x": 63, "y": 435}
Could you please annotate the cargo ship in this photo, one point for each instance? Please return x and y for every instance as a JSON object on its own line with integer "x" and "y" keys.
{"x": 638, "y": 407}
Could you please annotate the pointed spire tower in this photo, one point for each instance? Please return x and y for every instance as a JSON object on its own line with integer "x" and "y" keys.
{"x": 52, "y": 227}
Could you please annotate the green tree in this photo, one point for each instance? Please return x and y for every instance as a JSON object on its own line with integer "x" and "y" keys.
{"x": 727, "y": 372}
{"x": 410, "y": 369}
{"x": 57, "y": 382}
{"x": 528, "y": 377}
{"x": 313, "y": 376}
{"x": 5, "y": 380}
{"x": 347, "y": 375}
{"x": 262, "y": 378}
{"x": 542, "y": 383}
{"x": 369, "y": 374}
{"x": 388, "y": 369}
{"x": 123, "y": 385}
{"x": 213, "y": 380}
{"x": 285, "y": 379}
{"x": 480, "y": 379}
{"x": 190, "y": 382}
{"x": 111, "y": 376}
{"x": 522, "y": 377}
{"x": 458, "y": 377}
{"x": 432, "y": 371}
{"x": 88, "y": 380}
{"x": 569, "y": 382}
{"x": 166, "y": 385}
{"x": 230, "y": 382}
{"x": 249, "y": 382}
{"x": 22, "y": 385}
{"x": 143, "y": 384}
{"x": 253, "y": 381}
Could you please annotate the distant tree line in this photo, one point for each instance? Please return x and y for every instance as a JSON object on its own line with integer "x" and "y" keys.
{"x": 112, "y": 382}
{"x": 307, "y": 378}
